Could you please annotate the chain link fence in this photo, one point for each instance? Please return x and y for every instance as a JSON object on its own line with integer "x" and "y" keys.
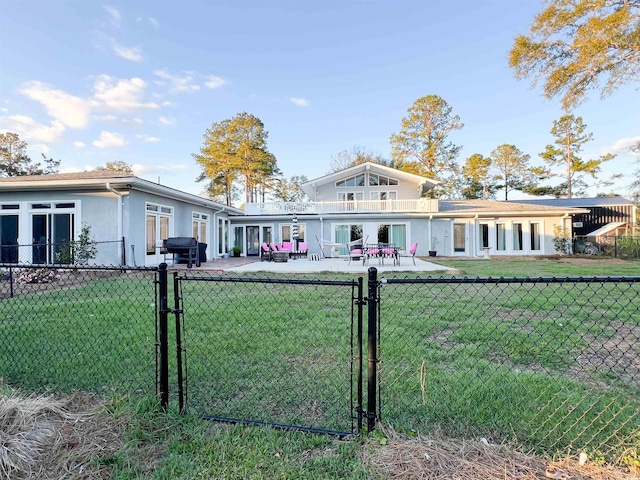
{"x": 619, "y": 246}
{"x": 281, "y": 351}
{"x": 65, "y": 329}
{"x": 551, "y": 364}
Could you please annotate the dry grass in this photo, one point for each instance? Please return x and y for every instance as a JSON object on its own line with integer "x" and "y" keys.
{"x": 48, "y": 437}
{"x": 437, "y": 457}
{"x": 54, "y": 437}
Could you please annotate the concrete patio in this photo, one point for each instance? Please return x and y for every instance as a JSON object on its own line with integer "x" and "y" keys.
{"x": 305, "y": 265}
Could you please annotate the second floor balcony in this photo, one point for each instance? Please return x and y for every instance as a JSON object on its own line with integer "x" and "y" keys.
{"x": 418, "y": 205}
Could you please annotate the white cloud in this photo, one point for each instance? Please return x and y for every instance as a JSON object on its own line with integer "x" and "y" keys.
{"x": 109, "y": 139}
{"x": 71, "y": 111}
{"x": 29, "y": 129}
{"x": 115, "y": 14}
{"x": 301, "y": 102}
{"x": 215, "y": 82}
{"x": 167, "y": 121}
{"x": 140, "y": 169}
{"x": 133, "y": 54}
{"x": 154, "y": 22}
{"x": 43, "y": 147}
{"x": 148, "y": 138}
{"x": 123, "y": 96}
{"x": 176, "y": 83}
{"x": 622, "y": 145}
{"x": 78, "y": 144}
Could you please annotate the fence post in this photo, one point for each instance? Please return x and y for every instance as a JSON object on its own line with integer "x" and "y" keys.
{"x": 360, "y": 302}
{"x": 178, "y": 311}
{"x": 164, "y": 337}
{"x": 372, "y": 347}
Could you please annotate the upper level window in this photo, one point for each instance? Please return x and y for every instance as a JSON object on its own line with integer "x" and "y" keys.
{"x": 356, "y": 181}
{"x": 10, "y": 206}
{"x": 375, "y": 180}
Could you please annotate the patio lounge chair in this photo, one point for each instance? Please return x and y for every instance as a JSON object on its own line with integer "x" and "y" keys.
{"x": 285, "y": 247}
{"x": 265, "y": 252}
{"x": 412, "y": 251}
{"x": 356, "y": 249}
{"x": 388, "y": 250}
{"x": 372, "y": 250}
{"x": 303, "y": 249}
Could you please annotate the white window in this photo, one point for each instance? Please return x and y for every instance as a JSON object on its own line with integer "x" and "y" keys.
{"x": 200, "y": 226}
{"x": 501, "y": 237}
{"x": 516, "y": 230}
{"x": 355, "y": 181}
{"x": 390, "y": 195}
{"x": 159, "y": 226}
{"x": 375, "y": 180}
{"x": 534, "y": 234}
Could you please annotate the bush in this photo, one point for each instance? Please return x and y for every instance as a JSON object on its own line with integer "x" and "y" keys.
{"x": 628, "y": 246}
{"x": 37, "y": 275}
{"x": 561, "y": 240}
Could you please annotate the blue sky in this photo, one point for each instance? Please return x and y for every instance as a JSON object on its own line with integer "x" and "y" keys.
{"x": 140, "y": 81}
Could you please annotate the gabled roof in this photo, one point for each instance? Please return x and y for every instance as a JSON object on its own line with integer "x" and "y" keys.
{"x": 102, "y": 180}
{"x": 309, "y": 186}
{"x": 578, "y": 202}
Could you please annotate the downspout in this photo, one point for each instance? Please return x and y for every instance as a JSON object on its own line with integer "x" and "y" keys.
{"x": 564, "y": 223}
{"x": 430, "y": 230}
{"x": 120, "y": 216}
{"x": 475, "y": 237}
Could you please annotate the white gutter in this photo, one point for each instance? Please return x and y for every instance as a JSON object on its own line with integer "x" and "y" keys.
{"x": 120, "y": 215}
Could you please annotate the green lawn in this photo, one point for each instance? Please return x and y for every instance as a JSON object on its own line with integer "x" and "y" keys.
{"x": 531, "y": 362}
{"x": 543, "y": 267}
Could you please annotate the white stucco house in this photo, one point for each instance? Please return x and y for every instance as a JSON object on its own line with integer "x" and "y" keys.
{"x": 387, "y": 205}
{"x": 368, "y": 201}
{"x": 132, "y": 216}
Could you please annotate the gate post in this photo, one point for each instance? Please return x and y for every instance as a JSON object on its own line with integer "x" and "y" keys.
{"x": 164, "y": 337}
{"x": 360, "y": 302}
{"x": 372, "y": 347}
{"x": 178, "y": 311}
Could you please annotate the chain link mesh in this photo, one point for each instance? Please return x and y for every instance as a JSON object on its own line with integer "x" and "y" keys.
{"x": 554, "y": 365}
{"x": 65, "y": 329}
{"x": 270, "y": 350}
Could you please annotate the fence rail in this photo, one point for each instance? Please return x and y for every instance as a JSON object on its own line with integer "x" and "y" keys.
{"x": 73, "y": 253}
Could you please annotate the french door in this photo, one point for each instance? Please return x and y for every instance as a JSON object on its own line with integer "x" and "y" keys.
{"x": 52, "y": 234}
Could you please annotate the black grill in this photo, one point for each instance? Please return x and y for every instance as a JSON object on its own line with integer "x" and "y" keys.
{"x": 185, "y": 247}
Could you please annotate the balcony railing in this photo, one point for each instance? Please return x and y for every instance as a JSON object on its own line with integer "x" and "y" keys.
{"x": 422, "y": 205}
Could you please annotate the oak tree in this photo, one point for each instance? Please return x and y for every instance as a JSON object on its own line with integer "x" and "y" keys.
{"x": 576, "y": 45}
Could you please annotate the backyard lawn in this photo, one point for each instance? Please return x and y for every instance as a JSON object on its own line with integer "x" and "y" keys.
{"x": 455, "y": 358}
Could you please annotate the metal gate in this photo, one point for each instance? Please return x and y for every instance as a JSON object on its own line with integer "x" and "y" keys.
{"x": 281, "y": 352}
